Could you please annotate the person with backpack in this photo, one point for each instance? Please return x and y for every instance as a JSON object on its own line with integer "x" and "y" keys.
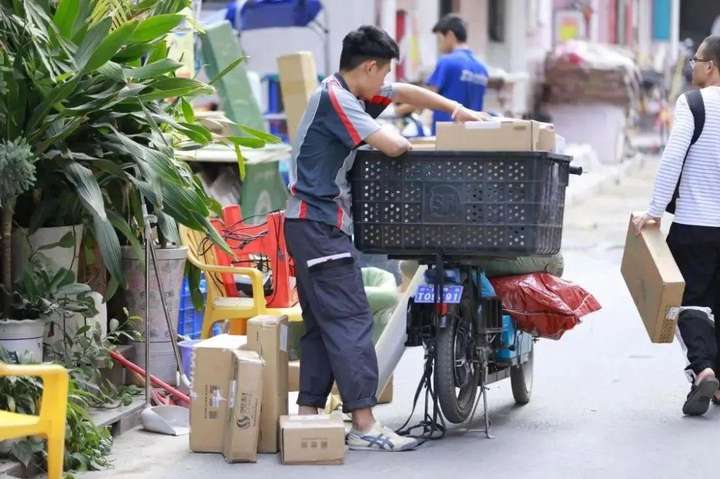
{"x": 687, "y": 184}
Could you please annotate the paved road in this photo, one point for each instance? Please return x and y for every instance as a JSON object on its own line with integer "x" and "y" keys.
{"x": 606, "y": 402}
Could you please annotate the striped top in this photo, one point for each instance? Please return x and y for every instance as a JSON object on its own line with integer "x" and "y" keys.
{"x": 333, "y": 126}
{"x": 698, "y": 203}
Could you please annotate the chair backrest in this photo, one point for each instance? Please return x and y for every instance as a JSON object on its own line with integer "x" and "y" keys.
{"x": 267, "y": 240}
{"x": 200, "y": 254}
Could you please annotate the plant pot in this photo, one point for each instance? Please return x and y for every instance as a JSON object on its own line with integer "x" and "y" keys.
{"x": 55, "y": 258}
{"x": 23, "y": 339}
{"x": 171, "y": 267}
{"x": 74, "y": 322}
{"x": 162, "y": 360}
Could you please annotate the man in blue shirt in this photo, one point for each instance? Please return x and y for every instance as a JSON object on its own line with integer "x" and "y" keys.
{"x": 459, "y": 75}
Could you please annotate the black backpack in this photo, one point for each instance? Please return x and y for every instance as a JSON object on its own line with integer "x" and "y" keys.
{"x": 697, "y": 108}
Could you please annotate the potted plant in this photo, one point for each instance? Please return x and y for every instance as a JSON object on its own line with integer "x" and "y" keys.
{"x": 17, "y": 175}
{"x": 95, "y": 92}
{"x": 44, "y": 300}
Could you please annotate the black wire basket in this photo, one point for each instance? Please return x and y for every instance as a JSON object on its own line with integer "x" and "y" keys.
{"x": 465, "y": 203}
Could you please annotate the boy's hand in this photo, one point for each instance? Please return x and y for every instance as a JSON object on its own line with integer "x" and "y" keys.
{"x": 644, "y": 220}
{"x": 465, "y": 114}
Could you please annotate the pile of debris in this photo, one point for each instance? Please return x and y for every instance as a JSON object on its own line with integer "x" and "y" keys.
{"x": 583, "y": 72}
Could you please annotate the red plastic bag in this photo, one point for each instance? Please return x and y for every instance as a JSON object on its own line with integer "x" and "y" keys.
{"x": 542, "y": 304}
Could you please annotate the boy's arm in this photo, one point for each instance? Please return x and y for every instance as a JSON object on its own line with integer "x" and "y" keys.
{"x": 424, "y": 98}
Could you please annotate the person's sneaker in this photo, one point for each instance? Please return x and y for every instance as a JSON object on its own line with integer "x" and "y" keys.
{"x": 380, "y": 438}
{"x": 698, "y": 400}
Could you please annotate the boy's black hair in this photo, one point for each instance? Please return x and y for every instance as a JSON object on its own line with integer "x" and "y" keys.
{"x": 367, "y": 43}
{"x": 452, "y": 23}
{"x": 711, "y": 49}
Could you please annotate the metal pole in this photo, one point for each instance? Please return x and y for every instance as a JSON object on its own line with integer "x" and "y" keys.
{"x": 168, "y": 321}
{"x": 147, "y": 307}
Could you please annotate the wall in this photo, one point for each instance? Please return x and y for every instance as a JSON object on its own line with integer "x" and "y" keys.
{"x": 426, "y": 13}
{"x": 264, "y": 46}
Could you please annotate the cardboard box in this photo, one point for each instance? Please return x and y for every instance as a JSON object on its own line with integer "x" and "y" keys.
{"x": 386, "y": 396}
{"x": 294, "y": 376}
{"x": 654, "y": 281}
{"x": 267, "y": 335}
{"x": 312, "y": 439}
{"x": 212, "y": 374}
{"x": 298, "y": 81}
{"x": 502, "y": 134}
{"x": 240, "y": 438}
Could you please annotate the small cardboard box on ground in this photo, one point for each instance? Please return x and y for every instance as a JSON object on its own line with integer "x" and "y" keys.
{"x": 298, "y": 81}
{"x": 213, "y": 368}
{"x": 240, "y": 441}
{"x": 268, "y": 336}
{"x": 654, "y": 280}
{"x": 501, "y": 134}
{"x": 312, "y": 439}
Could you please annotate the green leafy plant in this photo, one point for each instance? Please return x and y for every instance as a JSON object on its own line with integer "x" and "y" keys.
{"x": 91, "y": 85}
{"x": 86, "y": 446}
{"x": 17, "y": 175}
{"x": 42, "y": 294}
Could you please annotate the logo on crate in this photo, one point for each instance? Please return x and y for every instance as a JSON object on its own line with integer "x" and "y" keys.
{"x": 442, "y": 203}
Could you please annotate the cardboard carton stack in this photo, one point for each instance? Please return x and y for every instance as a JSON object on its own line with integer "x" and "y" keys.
{"x": 240, "y": 393}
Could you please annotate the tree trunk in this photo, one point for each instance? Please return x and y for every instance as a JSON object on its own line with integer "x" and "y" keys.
{"x": 6, "y": 234}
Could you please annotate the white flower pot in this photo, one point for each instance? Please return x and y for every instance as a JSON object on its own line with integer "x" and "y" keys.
{"x": 55, "y": 258}
{"x": 23, "y": 339}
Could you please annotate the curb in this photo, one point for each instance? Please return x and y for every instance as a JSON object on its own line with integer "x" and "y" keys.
{"x": 598, "y": 180}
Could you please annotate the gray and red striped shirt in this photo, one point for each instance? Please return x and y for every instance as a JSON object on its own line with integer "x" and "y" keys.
{"x": 333, "y": 126}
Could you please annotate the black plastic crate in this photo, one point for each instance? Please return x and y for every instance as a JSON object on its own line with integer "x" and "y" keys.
{"x": 462, "y": 203}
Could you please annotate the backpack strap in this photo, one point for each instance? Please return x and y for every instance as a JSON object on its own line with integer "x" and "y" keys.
{"x": 697, "y": 108}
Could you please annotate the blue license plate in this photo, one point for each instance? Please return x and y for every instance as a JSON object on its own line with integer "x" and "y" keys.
{"x": 425, "y": 294}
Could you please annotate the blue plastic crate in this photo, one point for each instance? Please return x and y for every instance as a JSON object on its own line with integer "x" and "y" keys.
{"x": 190, "y": 320}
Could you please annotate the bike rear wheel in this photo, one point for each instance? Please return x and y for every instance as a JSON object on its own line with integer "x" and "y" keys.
{"x": 457, "y": 374}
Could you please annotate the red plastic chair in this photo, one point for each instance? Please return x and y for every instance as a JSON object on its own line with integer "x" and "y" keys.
{"x": 248, "y": 243}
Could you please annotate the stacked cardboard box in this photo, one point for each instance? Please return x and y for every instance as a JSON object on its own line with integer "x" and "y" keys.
{"x": 240, "y": 438}
{"x": 298, "y": 81}
{"x": 213, "y": 372}
{"x": 501, "y": 134}
{"x": 267, "y": 335}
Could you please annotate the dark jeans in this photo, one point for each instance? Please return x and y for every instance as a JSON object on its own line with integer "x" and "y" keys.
{"x": 696, "y": 250}
{"x": 337, "y": 344}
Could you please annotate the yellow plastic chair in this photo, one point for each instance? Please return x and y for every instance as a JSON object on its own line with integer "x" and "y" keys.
{"x": 53, "y": 410}
{"x": 220, "y": 307}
